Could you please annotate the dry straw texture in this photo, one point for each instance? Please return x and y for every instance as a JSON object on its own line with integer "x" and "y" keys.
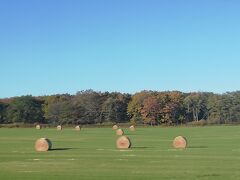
{"x": 132, "y": 128}
{"x": 180, "y": 142}
{"x": 78, "y": 128}
{"x": 115, "y": 127}
{"x": 59, "y": 127}
{"x": 43, "y": 144}
{"x": 119, "y": 132}
{"x": 38, "y": 127}
{"x": 123, "y": 142}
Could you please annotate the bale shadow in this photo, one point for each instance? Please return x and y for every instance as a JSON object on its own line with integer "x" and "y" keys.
{"x": 197, "y": 147}
{"x": 129, "y": 134}
{"x": 140, "y": 147}
{"x": 60, "y": 149}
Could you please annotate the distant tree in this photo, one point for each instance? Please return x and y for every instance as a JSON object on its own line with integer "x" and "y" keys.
{"x": 172, "y": 109}
{"x": 151, "y": 111}
{"x": 229, "y": 107}
{"x": 148, "y": 107}
{"x": 114, "y": 109}
{"x": 26, "y": 109}
{"x": 235, "y": 110}
{"x": 196, "y": 106}
{"x": 177, "y": 106}
{"x": 3, "y": 112}
{"x": 58, "y": 109}
{"x": 135, "y": 106}
{"x": 89, "y": 106}
{"x": 157, "y": 107}
{"x": 214, "y": 109}
{"x": 108, "y": 113}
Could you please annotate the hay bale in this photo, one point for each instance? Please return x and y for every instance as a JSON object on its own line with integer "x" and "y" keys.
{"x": 115, "y": 127}
{"x": 43, "y": 144}
{"x": 119, "y": 132}
{"x": 38, "y": 127}
{"x": 59, "y": 127}
{"x": 180, "y": 142}
{"x": 123, "y": 142}
{"x": 78, "y": 128}
{"x": 132, "y": 128}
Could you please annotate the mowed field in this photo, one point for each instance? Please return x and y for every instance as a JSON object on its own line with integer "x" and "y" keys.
{"x": 212, "y": 153}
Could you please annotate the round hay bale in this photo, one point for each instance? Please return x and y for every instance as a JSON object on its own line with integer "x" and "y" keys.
{"x": 180, "y": 142}
{"x": 132, "y": 128}
{"x": 119, "y": 132}
{"x": 59, "y": 127}
{"x": 78, "y": 128}
{"x": 115, "y": 127}
{"x": 43, "y": 144}
{"x": 38, "y": 127}
{"x": 123, "y": 142}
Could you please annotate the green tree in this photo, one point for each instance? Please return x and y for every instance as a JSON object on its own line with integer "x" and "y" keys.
{"x": 214, "y": 109}
{"x": 114, "y": 109}
{"x": 89, "y": 106}
{"x": 58, "y": 109}
{"x": 26, "y": 109}
{"x": 3, "y": 112}
{"x": 196, "y": 106}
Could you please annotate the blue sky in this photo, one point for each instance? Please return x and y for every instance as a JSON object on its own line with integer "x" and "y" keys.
{"x": 64, "y": 46}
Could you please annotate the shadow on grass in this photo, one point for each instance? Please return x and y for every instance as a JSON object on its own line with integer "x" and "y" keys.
{"x": 60, "y": 149}
{"x": 197, "y": 147}
{"x": 140, "y": 147}
{"x": 129, "y": 134}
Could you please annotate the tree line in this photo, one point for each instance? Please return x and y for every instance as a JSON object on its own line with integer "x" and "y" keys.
{"x": 145, "y": 107}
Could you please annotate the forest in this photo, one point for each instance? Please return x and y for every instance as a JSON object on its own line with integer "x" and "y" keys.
{"x": 145, "y": 107}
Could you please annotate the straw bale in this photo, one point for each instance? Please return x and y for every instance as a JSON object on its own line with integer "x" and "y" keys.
{"x": 180, "y": 142}
{"x": 43, "y": 144}
{"x": 119, "y": 132}
{"x": 123, "y": 142}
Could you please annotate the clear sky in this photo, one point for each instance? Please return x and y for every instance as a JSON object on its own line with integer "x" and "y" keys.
{"x": 64, "y": 46}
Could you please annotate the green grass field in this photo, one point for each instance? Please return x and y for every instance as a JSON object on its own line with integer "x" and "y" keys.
{"x": 213, "y": 153}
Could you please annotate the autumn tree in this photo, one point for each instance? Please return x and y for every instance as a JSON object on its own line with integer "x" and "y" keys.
{"x": 135, "y": 106}
{"x": 174, "y": 109}
{"x": 148, "y": 107}
{"x": 151, "y": 110}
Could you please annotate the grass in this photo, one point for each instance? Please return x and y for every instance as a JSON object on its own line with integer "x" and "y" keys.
{"x": 213, "y": 153}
